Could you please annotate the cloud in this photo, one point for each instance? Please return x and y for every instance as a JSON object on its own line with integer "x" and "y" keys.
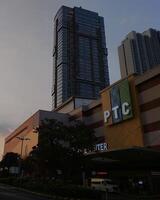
{"x": 4, "y": 132}
{"x": 1, "y": 146}
{"x": 128, "y": 20}
{"x": 123, "y": 21}
{"x": 5, "y": 129}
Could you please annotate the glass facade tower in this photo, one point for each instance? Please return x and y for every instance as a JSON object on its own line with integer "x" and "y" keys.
{"x": 80, "y": 66}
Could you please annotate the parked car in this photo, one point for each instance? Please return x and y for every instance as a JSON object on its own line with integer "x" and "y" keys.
{"x": 104, "y": 185}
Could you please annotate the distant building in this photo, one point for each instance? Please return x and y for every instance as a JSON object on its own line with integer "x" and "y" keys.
{"x": 139, "y": 52}
{"x": 80, "y": 66}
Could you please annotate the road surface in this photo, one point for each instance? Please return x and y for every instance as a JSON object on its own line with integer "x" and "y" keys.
{"x": 11, "y": 193}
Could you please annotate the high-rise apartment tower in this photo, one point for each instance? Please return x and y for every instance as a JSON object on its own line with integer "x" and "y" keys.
{"x": 80, "y": 66}
{"x": 139, "y": 52}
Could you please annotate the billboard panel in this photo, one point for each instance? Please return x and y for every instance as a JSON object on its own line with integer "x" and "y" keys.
{"x": 125, "y": 97}
{"x": 116, "y": 105}
{"x": 120, "y": 107}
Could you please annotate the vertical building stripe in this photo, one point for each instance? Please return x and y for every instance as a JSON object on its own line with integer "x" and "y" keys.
{"x": 125, "y": 96}
{"x": 116, "y": 105}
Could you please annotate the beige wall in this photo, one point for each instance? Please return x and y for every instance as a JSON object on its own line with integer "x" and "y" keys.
{"x": 13, "y": 144}
{"x": 27, "y": 130}
{"x": 149, "y": 94}
{"x": 148, "y": 86}
{"x": 150, "y": 116}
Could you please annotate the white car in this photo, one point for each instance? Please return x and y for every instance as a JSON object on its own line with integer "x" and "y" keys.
{"x": 104, "y": 185}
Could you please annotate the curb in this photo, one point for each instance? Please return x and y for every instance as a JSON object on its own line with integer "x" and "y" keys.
{"x": 30, "y": 191}
{"x": 52, "y": 197}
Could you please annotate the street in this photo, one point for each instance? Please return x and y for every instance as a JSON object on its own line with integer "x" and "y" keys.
{"x": 11, "y": 193}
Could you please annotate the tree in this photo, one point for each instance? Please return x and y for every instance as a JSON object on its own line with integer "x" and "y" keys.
{"x": 61, "y": 148}
{"x": 9, "y": 160}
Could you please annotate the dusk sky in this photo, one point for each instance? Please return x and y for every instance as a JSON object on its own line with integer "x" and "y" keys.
{"x": 26, "y": 41}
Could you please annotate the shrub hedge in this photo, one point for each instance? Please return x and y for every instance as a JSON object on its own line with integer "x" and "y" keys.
{"x": 58, "y": 189}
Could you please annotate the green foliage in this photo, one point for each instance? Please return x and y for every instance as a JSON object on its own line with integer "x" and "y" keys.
{"x": 55, "y": 188}
{"x": 60, "y": 148}
{"x": 10, "y": 159}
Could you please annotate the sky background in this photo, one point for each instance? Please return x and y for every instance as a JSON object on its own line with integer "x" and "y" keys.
{"x": 26, "y": 41}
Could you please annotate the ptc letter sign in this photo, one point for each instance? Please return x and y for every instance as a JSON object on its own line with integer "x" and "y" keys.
{"x": 120, "y": 104}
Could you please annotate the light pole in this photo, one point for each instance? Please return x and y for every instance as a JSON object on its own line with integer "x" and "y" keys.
{"x": 22, "y": 142}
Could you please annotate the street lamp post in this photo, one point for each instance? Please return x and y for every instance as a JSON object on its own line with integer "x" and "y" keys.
{"x": 22, "y": 142}
{"x": 21, "y": 154}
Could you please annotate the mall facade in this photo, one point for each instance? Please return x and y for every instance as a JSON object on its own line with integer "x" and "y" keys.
{"x": 126, "y": 121}
{"x": 126, "y": 115}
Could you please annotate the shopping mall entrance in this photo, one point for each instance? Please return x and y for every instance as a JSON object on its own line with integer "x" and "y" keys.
{"x": 135, "y": 170}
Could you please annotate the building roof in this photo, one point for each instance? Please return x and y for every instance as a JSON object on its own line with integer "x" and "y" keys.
{"x": 148, "y": 75}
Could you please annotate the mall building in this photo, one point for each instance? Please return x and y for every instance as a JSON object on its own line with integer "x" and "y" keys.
{"x": 126, "y": 121}
{"x": 126, "y": 115}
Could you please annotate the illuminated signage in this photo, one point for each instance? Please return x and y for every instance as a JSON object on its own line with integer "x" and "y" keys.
{"x": 120, "y": 104}
{"x": 101, "y": 147}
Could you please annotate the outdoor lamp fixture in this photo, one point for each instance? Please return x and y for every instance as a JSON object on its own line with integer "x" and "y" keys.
{"x": 35, "y": 129}
{"x": 20, "y": 165}
{"x": 22, "y": 139}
